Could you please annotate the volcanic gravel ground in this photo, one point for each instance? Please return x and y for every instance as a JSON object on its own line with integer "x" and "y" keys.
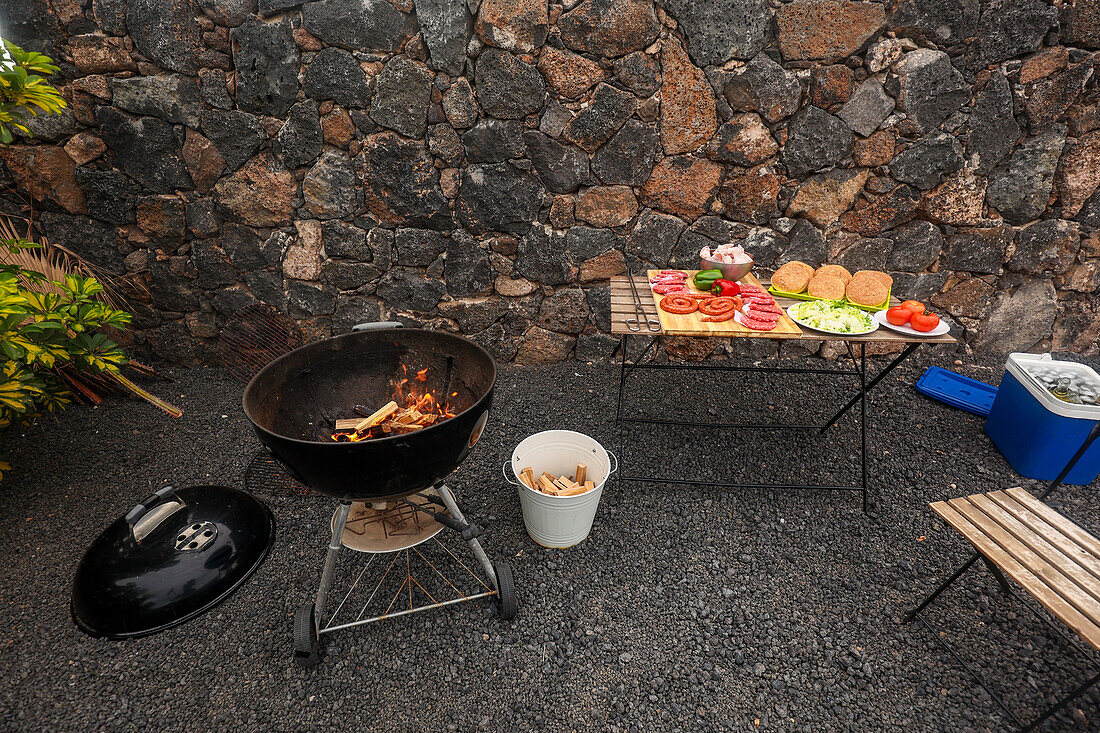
{"x": 688, "y": 608}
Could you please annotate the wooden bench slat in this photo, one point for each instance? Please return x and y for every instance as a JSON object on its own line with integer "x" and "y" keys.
{"x": 1014, "y": 569}
{"x": 1051, "y": 534}
{"x": 1067, "y": 565}
{"x": 1068, "y": 528}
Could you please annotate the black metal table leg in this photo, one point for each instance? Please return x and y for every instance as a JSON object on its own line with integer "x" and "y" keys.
{"x": 1081, "y": 689}
{"x": 870, "y": 385}
{"x": 943, "y": 586}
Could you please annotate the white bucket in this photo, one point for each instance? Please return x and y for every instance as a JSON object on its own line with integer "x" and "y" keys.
{"x": 560, "y": 521}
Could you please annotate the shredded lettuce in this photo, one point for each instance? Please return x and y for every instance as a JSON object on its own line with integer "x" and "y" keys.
{"x": 830, "y": 316}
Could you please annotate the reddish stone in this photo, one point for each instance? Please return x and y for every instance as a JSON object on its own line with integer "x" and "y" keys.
{"x": 872, "y": 216}
{"x": 1078, "y": 173}
{"x": 689, "y": 348}
{"x": 83, "y": 107}
{"x": 874, "y": 151}
{"x": 540, "y": 346}
{"x": 1081, "y": 25}
{"x": 1044, "y": 63}
{"x": 302, "y": 260}
{"x": 94, "y": 54}
{"x": 306, "y": 40}
{"x": 969, "y": 298}
{"x": 824, "y": 197}
{"x": 561, "y": 212}
{"x": 609, "y": 27}
{"x": 602, "y": 267}
{"x": 750, "y": 195}
{"x": 607, "y": 206}
{"x": 1083, "y": 118}
{"x": 162, "y": 218}
{"x": 1077, "y": 328}
{"x": 514, "y": 288}
{"x": 515, "y": 25}
{"x": 260, "y": 193}
{"x": 688, "y": 115}
{"x": 683, "y": 186}
{"x": 84, "y": 147}
{"x": 569, "y": 74}
{"x": 203, "y": 161}
{"x": 94, "y": 84}
{"x": 957, "y": 201}
{"x": 45, "y": 172}
{"x": 831, "y": 86}
{"x": 337, "y": 128}
{"x": 826, "y": 29}
{"x": 744, "y": 140}
{"x": 1084, "y": 277}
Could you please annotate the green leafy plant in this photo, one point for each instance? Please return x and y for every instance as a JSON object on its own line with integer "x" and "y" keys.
{"x": 24, "y": 92}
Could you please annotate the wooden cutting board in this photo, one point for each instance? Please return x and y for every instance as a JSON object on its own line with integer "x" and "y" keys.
{"x": 689, "y": 324}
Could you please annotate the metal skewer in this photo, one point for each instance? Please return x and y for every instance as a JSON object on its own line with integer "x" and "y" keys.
{"x": 634, "y": 324}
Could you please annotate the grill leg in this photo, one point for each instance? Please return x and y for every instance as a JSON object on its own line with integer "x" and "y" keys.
{"x": 330, "y": 559}
{"x": 452, "y": 506}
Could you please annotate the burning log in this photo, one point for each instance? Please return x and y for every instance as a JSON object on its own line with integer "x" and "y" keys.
{"x": 419, "y": 411}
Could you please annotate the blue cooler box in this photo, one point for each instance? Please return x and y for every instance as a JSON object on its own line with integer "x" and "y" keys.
{"x": 1038, "y": 433}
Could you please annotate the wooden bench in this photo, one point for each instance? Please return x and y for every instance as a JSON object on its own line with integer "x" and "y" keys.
{"x": 1055, "y": 561}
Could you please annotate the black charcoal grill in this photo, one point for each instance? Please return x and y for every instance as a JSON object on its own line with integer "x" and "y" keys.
{"x": 293, "y": 404}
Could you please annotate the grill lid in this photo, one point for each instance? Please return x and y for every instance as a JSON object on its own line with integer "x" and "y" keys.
{"x": 172, "y": 557}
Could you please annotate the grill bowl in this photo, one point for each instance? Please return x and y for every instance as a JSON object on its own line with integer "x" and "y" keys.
{"x": 294, "y": 401}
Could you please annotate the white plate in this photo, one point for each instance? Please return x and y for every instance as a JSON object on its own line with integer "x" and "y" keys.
{"x": 793, "y": 317}
{"x": 880, "y": 317}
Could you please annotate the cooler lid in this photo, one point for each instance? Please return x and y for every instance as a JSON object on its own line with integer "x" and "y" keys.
{"x": 1039, "y": 372}
{"x": 175, "y": 555}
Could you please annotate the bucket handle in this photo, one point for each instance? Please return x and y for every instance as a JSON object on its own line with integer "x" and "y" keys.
{"x": 613, "y": 469}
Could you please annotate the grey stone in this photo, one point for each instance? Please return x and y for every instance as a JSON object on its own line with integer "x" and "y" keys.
{"x": 202, "y": 217}
{"x": 609, "y": 28}
{"x": 407, "y": 289}
{"x": 1046, "y": 247}
{"x": 445, "y": 28}
{"x": 639, "y": 72}
{"x": 554, "y": 118}
{"x": 629, "y": 156}
{"x": 766, "y": 245}
{"x": 1020, "y": 187}
{"x": 381, "y": 243}
{"x": 230, "y": 13}
{"x": 345, "y": 275}
{"x": 308, "y": 299}
{"x": 146, "y": 148}
{"x": 599, "y": 302}
{"x": 916, "y": 246}
{"x": 230, "y": 300}
{"x": 93, "y": 240}
{"x": 345, "y": 240}
{"x": 806, "y": 244}
{"x": 237, "y": 135}
{"x": 720, "y": 30}
{"x": 609, "y": 109}
{"x": 213, "y": 269}
{"x": 566, "y": 311}
{"x": 1052, "y": 96}
{"x": 266, "y": 59}
{"x": 330, "y": 186}
{"x": 993, "y": 128}
{"x": 369, "y": 26}
{"x": 587, "y": 242}
{"x": 269, "y": 7}
{"x": 561, "y": 168}
{"x": 763, "y": 86}
{"x": 497, "y": 342}
{"x": 507, "y": 87}
{"x": 402, "y": 185}
{"x": 494, "y": 141}
{"x": 212, "y": 89}
{"x": 473, "y": 314}
{"x": 1089, "y": 215}
{"x": 926, "y": 162}
{"x": 165, "y": 32}
{"x": 401, "y": 97}
{"x": 542, "y": 256}
{"x": 498, "y": 197}
{"x": 976, "y": 250}
{"x": 111, "y": 16}
{"x": 110, "y": 195}
{"x": 51, "y": 128}
{"x": 171, "y": 97}
{"x": 243, "y": 246}
{"x": 596, "y": 348}
{"x": 1022, "y": 317}
{"x": 459, "y": 104}
{"x": 335, "y": 74}
{"x": 467, "y": 271}
{"x": 445, "y": 144}
{"x": 865, "y": 254}
{"x": 815, "y": 139}
{"x": 653, "y": 236}
{"x": 919, "y": 286}
{"x": 1008, "y": 29}
{"x": 300, "y": 140}
{"x": 927, "y": 87}
{"x": 418, "y": 247}
{"x": 868, "y": 106}
{"x": 944, "y": 22}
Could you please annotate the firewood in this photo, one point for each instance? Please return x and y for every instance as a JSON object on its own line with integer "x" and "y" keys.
{"x": 377, "y": 416}
{"x": 546, "y": 485}
{"x": 574, "y": 491}
{"x": 589, "y": 485}
{"x": 525, "y": 479}
{"x": 581, "y": 474}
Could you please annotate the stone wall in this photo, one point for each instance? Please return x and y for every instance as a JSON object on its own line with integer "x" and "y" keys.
{"x": 479, "y": 166}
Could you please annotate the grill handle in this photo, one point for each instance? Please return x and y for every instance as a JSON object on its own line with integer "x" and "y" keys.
{"x": 151, "y": 511}
{"x": 378, "y": 326}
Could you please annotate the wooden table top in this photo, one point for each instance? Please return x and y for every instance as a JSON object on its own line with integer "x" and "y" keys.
{"x": 623, "y": 307}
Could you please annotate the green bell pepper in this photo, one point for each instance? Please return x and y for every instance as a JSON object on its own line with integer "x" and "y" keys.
{"x": 704, "y": 279}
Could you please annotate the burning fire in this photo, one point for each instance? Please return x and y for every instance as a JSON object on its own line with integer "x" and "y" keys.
{"x": 410, "y": 409}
